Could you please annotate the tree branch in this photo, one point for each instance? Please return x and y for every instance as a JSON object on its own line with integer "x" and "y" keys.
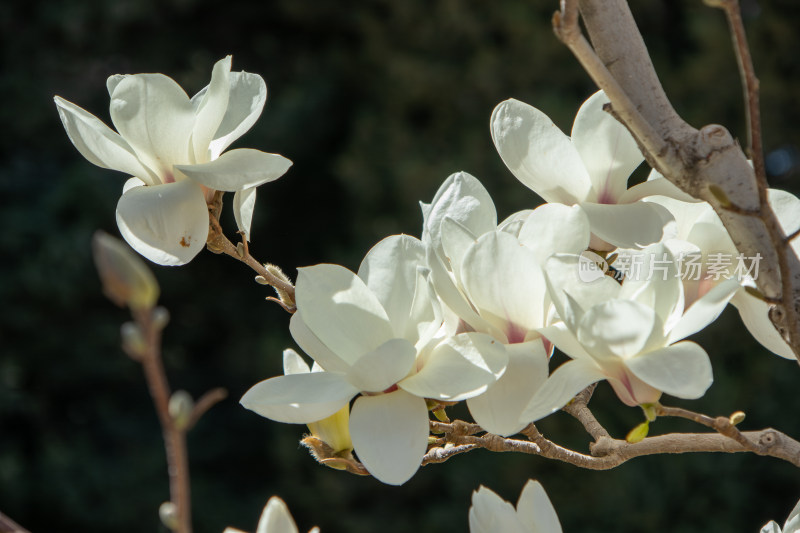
{"x": 707, "y": 163}
{"x": 9, "y": 526}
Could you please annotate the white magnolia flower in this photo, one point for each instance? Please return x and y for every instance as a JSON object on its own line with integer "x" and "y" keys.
{"x": 172, "y": 146}
{"x": 534, "y": 513}
{"x": 629, "y": 334}
{"x": 376, "y": 334}
{"x": 792, "y": 524}
{"x": 490, "y": 278}
{"x": 699, "y": 233}
{"x": 590, "y": 169}
{"x": 276, "y": 518}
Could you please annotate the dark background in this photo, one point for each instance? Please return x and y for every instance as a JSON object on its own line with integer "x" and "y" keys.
{"x": 376, "y": 102}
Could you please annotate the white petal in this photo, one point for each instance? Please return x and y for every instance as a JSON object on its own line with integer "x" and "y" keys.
{"x": 299, "y": 398}
{"x": 313, "y": 346}
{"x": 113, "y": 81}
{"x": 538, "y": 153}
{"x": 704, "y": 311}
{"x": 654, "y": 281}
{"x": 535, "y": 510}
{"x": 168, "y": 224}
{"x": 563, "y": 339}
{"x": 98, "y": 143}
{"x": 132, "y": 183}
{"x": 562, "y": 385}
{"x": 619, "y": 329}
{"x": 578, "y": 276}
{"x": 390, "y": 434}
{"x": 458, "y": 368}
{"x": 248, "y": 92}
{"x": 555, "y": 228}
{"x": 607, "y": 148}
{"x": 464, "y": 199}
{"x": 276, "y": 518}
{"x": 293, "y": 363}
{"x": 155, "y": 116}
{"x": 489, "y": 513}
{"x": 686, "y": 214}
{"x": 787, "y": 209}
{"x": 681, "y": 370}
{"x": 389, "y": 270}
{"x": 754, "y": 313}
{"x": 244, "y": 203}
{"x": 771, "y": 527}
{"x": 456, "y": 239}
{"x": 499, "y": 409}
{"x": 656, "y": 186}
{"x": 238, "y": 169}
{"x": 384, "y": 366}
{"x": 627, "y": 225}
{"x": 211, "y": 109}
{"x": 341, "y": 311}
{"x": 505, "y": 283}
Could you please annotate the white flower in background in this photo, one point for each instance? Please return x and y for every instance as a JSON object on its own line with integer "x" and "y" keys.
{"x": 491, "y": 281}
{"x": 534, "y": 513}
{"x": 590, "y": 169}
{"x": 172, "y": 147}
{"x": 630, "y": 334}
{"x": 377, "y": 334}
{"x": 699, "y": 232}
{"x": 792, "y": 524}
{"x": 276, "y": 518}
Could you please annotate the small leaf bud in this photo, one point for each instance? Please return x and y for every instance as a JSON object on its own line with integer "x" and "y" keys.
{"x": 160, "y": 317}
{"x": 736, "y": 418}
{"x": 638, "y": 433}
{"x": 133, "y": 341}
{"x": 168, "y": 513}
{"x": 180, "y": 407}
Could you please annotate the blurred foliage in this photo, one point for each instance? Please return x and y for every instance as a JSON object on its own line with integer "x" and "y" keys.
{"x": 376, "y": 102}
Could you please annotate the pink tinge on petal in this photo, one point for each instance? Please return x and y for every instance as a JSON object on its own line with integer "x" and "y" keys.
{"x": 548, "y": 347}
{"x": 515, "y": 334}
{"x": 633, "y": 391}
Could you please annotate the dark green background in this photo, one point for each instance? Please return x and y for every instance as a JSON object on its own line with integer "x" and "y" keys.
{"x": 376, "y": 102}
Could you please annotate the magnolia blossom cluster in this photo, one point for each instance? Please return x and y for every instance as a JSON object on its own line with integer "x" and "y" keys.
{"x": 472, "y": 309}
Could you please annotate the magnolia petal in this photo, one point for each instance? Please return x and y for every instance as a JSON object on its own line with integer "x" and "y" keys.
{"x": 562, "y": 338}
{"x": 244, "y": 203}
{"x": 787, "y": 208}
{"x": 490, "y": 513}
{"x": 132, "y": 183}
{"x": 562, "y": 385}
{"x": 627, "y": 225}
{"x": 619, "y": 329}
{"x": 504, "y": 282}
{"x": 456, "y": 239}
{"x": 553, "y": 228}
{"x": 656, "y": 186}
{"x": 513, "y": 223}
{"x": 248, "y": 93}
{"x": 499, "y": 409}
{"x": 390, "y": 434}
{"x": 168, "y": 224}
{"x": 535, "y": 511}
{"x": 341, "y": 311}
{"x": 607, "y": 148}
{"x": 771, "y": 527}
{"x": 682, "y": 370}
{"x": 538, "y": 153}
{"x": 451, "y": 295}
{"x": 98, "y": 143}
{"x": 652, "y": 280}
{"x": 458, "y": 368}
{"x": 578, "y": 277}
{"x": 313, "y": 346}
{"x": 276, "y": 518}
{"x": 389, "y": 270}
{"x": 156, "y": 117}
{"x": 113, "y": 81}
{"x": 299, "y": 398}
{"x": 755, "y": 315}
{"x": 384, "y": 366}
{"x": 238, "y": 169}
{"x": 211, "y": 109}
{"x": 685, "y": 213}
{"x": 293, "y": 363}
{"x": 464, "y": 199}
{"x": 704, "y": 311}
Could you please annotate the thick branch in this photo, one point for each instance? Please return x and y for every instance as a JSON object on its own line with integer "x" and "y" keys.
{"x": 706, "y": 163}
{"x": 9, "y": 526}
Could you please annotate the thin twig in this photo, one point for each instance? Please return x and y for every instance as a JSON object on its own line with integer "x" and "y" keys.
{"x": 9, "y": 526}
{"x": 719, "y": 424}
{"x": 174, "y": 437}
{"x": 750, "y": 84}
{"x": 579, "y": 408}
{"x": 206, "y": 402}
{"x": 219, "y": 243}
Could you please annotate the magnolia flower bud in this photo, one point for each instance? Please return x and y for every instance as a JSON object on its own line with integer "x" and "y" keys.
{"x": 126, "y": 279}
{"x": 334, "y": 430}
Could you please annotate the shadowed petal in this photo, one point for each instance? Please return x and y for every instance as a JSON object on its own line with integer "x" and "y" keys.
{"x": 238, "y": 169}
{"x": 682, "y": 370}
